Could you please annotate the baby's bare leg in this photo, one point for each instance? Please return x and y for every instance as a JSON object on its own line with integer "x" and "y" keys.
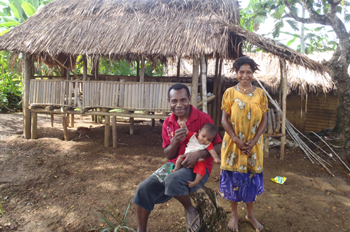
{"x": 191, "y": 184}
{"x": 177, "y": 164}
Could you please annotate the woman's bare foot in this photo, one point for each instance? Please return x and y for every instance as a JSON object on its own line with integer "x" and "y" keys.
{"x": 233, "y": 223}
{"x": 257, "y": 226}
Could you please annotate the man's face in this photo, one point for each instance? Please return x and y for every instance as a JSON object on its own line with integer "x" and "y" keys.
{"x": 179, "y": 102}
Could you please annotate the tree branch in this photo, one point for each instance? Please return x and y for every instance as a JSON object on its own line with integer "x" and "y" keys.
{"x": 314, "y": 16}
{"x": 333, "y": 7}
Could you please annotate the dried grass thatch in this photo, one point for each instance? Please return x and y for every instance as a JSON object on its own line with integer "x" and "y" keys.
{"x": 300, "y": 79}
{"x": 128, "y": 29}
{"x": 277, "y": 49}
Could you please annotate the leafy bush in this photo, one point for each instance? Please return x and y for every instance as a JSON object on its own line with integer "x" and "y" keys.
{"x": 10, "y": 85}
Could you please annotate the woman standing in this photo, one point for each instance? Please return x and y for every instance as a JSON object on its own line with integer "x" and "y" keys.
{"x": 244, "y": 118}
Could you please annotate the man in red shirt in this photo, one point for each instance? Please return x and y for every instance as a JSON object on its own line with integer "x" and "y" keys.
{"x": 162, "y": 185}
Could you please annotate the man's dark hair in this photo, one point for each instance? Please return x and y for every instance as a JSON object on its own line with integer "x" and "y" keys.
{"x": 178, "y": 87}
{"x": 211, "y": 128}
{"x": 245, "y": 60}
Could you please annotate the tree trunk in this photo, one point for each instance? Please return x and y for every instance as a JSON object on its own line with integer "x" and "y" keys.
{"x": 339, "y": 65}
{"x": 214, "y": 216}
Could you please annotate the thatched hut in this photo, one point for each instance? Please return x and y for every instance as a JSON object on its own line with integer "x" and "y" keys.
{"x": 132, "y": 30}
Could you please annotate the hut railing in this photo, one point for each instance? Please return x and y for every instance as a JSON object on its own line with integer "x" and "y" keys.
{"x": 133, "y": 96}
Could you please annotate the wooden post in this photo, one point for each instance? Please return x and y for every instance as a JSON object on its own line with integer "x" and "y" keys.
{"x": 219, "y": 97}
{"x": 178, "y": 69}
{"x": 204, "y": 84}
{"x": 153, "y": 122}
{"x": 26, "y": 89}
{"x": 96, "y": 68}
{"x": 142, "y": 75}
{"x": 52, "y": 119}
{"x": 131, "y": 126}
{"x": 72, "y": 120}
{"x": 266, "y": 147}
{"x": 138, "y": 69}
{"x": 194, "y": 91}
{"x": 34, "y": 117}
{"x": 84, "y": 68}
{"x": 96, "y": 117}
{"x": 281, "y": 85}
{"x": 114, "y": 131}
{"x": 284, "y": 105}
{"x": 64, "y": 123}
{"x": 215, "y": 89}
{"x": 107, "y": 129}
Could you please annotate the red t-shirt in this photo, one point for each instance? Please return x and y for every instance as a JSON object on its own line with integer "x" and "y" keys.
{"x": 194, "y": 123}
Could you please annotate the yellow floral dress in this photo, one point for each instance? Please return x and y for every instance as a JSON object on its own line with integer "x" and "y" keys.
{"x": 246, "y": 111}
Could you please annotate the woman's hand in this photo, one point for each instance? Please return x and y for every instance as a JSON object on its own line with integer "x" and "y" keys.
{"x": 248, "y": 146}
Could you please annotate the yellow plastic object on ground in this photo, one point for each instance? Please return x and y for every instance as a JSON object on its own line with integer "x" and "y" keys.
{"x": 279, "y": 179}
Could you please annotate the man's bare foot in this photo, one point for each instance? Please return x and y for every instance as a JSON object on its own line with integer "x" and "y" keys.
{"x": 233, "y": 223}
{"x": 257, "y": 226}
{"x": 191, "y": 184}
{"x": 193, "y": 220}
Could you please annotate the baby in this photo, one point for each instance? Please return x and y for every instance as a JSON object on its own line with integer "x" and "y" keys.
{"x": 203, "y": 140}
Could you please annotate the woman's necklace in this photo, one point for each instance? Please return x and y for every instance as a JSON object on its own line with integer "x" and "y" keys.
{"x": 245, "y": 91}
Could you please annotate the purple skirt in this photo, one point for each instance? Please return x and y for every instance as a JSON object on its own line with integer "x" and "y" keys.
{"x": 237, "y": 187}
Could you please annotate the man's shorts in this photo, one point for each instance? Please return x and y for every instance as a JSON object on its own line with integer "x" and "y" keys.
{"x": 152, "y": 191}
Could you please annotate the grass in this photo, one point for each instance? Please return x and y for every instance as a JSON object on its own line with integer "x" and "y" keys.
{"x": 116, "y": 223}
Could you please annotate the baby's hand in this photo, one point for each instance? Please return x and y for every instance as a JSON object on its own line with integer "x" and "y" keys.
{"x": 217, "y": 160}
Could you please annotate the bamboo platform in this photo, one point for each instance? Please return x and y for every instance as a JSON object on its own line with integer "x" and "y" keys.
{"x": 132, "y": 96}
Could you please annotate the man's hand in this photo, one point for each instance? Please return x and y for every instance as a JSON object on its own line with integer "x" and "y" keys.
{"x": 180, "y": 134}
{"x": 191, "y": 160}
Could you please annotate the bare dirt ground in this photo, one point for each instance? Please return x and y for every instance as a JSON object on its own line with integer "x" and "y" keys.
{"x": 49, "y": 184}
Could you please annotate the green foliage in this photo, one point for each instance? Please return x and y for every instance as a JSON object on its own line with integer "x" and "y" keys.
{"x": 119, "y": 224}
{"x": 14, "y": 12}
{"x": 317, "y": 39}
{"x": 1, "y": 209}
{"x": 10, "y": 85}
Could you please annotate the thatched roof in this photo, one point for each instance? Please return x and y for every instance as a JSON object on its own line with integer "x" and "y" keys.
{"x": 300, "y": 79}
{"x": 128, "y": 28}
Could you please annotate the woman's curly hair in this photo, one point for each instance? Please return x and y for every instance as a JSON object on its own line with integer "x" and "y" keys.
{"x": 245, "y": 60}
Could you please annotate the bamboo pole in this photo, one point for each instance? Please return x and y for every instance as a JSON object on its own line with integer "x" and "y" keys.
{"x": 26, "y": 89}
{"x": 194, "y": 92}
{"x": 114, "y": 132}
{"x": 84, "y": 68}
{"x": 204, "y": 83}
{"x": 107, "y": 129}
{"x": 219, "y": 97}
{"x": 142, "y": 75}
{"x": 284, "y": 105}
{"x": 34, "y": 117}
